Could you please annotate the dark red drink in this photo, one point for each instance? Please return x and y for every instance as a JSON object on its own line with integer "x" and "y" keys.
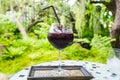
{"x": 60, "y": 40}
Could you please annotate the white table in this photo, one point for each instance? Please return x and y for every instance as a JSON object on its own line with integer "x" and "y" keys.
{"x": 99, "y": 71}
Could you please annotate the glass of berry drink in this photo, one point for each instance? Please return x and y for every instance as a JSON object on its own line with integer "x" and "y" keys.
{"x": 60, "y": 37}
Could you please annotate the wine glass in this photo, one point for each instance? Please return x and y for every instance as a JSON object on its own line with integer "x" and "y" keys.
{"x": 60, "y": 37}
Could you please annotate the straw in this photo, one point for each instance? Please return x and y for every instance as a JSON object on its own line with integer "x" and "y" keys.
{"x": 54, "y": 13}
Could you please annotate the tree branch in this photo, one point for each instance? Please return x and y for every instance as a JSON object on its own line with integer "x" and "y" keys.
{"x": 102, "y": 2}
{"x": 110, "y": 5}
{"x": 33, "y": 24}
{"x": 20, "y": 26}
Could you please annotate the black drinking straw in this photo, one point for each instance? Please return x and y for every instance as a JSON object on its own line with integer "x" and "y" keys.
{"x": 54, "y": 13}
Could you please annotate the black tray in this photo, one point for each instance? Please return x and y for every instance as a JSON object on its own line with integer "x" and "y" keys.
{"x": 42, "y": 73}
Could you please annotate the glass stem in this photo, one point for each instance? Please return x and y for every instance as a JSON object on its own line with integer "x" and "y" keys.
{"x": 59, "y": 66}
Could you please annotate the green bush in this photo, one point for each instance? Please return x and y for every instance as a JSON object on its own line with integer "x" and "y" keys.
{"x": 100, "y": 51}
{"x": 26, "y": 52}
{"x": 101, "y": 48}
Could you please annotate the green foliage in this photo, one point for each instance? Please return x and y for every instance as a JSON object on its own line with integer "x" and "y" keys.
{"x": 41, "y": 30}
{"x": 8, "y": 28}
{"x": 4, "y": 6}
{"x": 6, "y": 23}
{"x": 101, "y": 48}
{"x": 89, "y": 19}
{"x": 79, "y": 17}
{"x": 25, "y": 53}
{"x": 31, "y": 51}
{"x": 100, "y": 51}
{"x": 76, "y": 52}
{"x": 94, "y": 21}
{"x": 83, "y": 40}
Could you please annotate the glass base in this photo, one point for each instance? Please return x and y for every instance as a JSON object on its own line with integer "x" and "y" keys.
{"x": 60, "y": 72}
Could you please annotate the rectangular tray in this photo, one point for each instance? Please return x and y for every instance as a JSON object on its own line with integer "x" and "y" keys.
{"x": 42, "y": 73}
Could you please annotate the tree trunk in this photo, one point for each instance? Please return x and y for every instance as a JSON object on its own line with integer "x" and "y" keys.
{"x": 21, "y": 29}
{"x": 17, "y": 20}
{"x": 115, "y": 33}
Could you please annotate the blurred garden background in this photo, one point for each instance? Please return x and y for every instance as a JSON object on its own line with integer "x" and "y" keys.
{"x": 24, "y": 27}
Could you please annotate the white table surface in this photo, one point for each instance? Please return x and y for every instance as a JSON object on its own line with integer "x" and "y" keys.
{"x": 98, "y": 70}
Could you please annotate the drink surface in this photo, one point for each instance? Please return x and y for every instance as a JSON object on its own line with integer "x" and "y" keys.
{"x": 60, "y": 40}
